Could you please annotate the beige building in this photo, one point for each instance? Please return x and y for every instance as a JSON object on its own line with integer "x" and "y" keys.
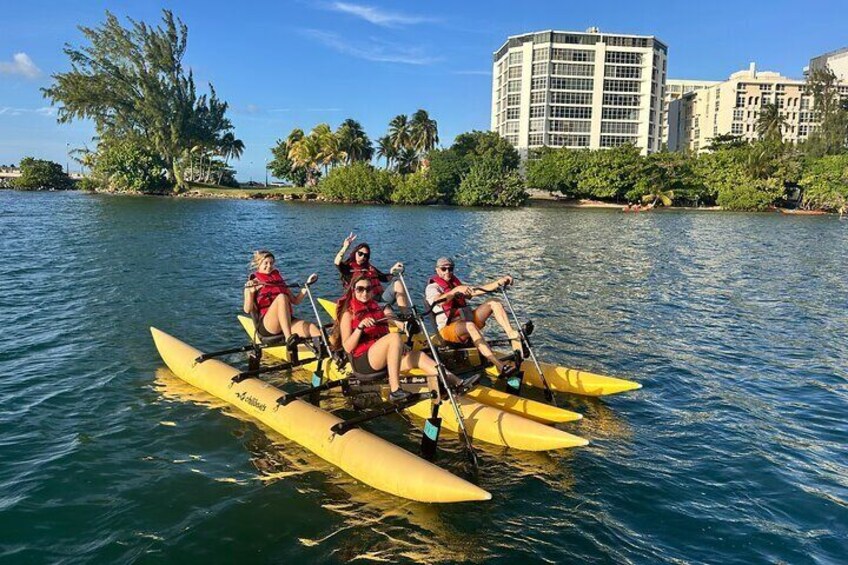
{"x": 675, "y": 89}
{"x": 579, "y": 90}
{"x": 836, "y": 60}
{"x": 733, "y": 107}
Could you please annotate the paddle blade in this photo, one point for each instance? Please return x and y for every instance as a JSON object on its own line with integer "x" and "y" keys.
{"x": 315, "y": 396}
{"x": 430, "y": 438}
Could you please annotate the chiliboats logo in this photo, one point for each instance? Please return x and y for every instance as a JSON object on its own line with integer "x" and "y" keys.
{"x": 251, "y": 400}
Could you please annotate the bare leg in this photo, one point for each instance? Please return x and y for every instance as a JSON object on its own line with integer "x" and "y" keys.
{"x": 496, "y": 309}
{"x": 278, "y": 317}
{"x": 420, "y": 360}
{"x": 305, "y": 329}
{"x": 400, "y": 295}
{"x": 470, "y": 329}
{"x": 387, "y": 353}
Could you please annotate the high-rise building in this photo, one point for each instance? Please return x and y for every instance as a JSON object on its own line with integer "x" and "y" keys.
{"x": 836, "y": 60}
{"x": 674, "y": 89}
{"x": 579, "y": 90}
{"x": 734, "y": 106}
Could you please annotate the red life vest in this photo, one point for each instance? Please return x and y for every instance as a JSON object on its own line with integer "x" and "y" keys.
{"x": 369, "y": 336}
{"x": 370, "y": 272}
{"x": 450, "y": 307}
{"x": 273, "y": 285}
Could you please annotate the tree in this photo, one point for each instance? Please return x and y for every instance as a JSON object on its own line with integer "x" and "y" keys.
{"x": 354, "y": 142}
{"x": 609, "y": 174}
{"x": 38, "y": 174}
{"x": 359, "y": 182}
{"x": 663, "y": 177}
{"x": 556, "y": 170}
{"x": 281, "y": 166}
{"x": 131, "y": 82}
{"x": 825, "y": 183}
{"x": 487, "y": 144}
{"x": 489, "y": 184}
{"x": 306, "y": 153}
{"x": 399, "y": 132}
{"x": 407, "y": 160}
{"x": 416, "y": 188}
{"x": 423, "y": 132}
{"x": 386, "y": 149}
{"x": 770, "y": 124}
{"x": 726, "y": 141}
{"x": 830, "y": 135}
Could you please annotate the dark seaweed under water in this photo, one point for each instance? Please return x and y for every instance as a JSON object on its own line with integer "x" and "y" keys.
{"x": 735, "y": 450}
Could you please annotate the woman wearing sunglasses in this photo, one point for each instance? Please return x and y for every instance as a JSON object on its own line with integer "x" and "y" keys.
{"x": 459, "y": 323}
{"x": 362, "y": 331}
{"x": 359, "y": 263}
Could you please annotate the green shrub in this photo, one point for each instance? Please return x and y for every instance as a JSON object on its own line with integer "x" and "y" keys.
{"x": 37, "y": 174}
{"x": 749, "y": 194}
{"x": 129, "y": 164}
{"x": 416, "y": 188}
{"x": 446, "y": 168}
{"x": 556, "y": 170}
{"x": 359, "y": 182}
{"x": 825, "y": 182}
{"x": 488, "y": 184}
{"x": 610, "y": 173}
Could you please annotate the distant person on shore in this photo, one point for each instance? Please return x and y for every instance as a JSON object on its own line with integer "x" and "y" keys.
{"x": 459, "y": 323}
{"x": 269, "y": 301}
{"x": 359, "y": 263}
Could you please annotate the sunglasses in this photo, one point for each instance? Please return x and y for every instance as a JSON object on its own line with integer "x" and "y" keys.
{"x": 446, "y": 269}
{"x": 362, "y": 288}
{"x": 363, "y": 254}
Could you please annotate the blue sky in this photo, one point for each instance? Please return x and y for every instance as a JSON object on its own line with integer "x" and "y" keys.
{"x": 295, "y": 63}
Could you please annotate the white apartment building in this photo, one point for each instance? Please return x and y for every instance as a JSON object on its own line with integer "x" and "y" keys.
{"x": 674, "y": 89}
{"x": 579, "y": 90}
{"x": 836, "y": 60}
{"x": 733, "y": 107}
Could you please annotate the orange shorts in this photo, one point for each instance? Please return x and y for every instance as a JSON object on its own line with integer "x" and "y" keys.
{"x": 450, "y": 332}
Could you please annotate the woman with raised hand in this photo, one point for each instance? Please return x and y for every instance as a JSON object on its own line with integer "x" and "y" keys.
{"x": 358, "y": 262}
{"x": 269, "y": 300}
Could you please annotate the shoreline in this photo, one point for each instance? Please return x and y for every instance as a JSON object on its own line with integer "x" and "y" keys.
{"x": 294, "y": 194}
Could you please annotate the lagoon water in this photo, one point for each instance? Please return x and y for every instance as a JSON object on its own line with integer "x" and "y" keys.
{"x": 735, "y": 450}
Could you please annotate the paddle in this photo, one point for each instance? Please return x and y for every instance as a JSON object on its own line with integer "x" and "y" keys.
{"x": 317, "y": 377}
{"x": 549, "y": 394}
{"x": 434, "y": 420}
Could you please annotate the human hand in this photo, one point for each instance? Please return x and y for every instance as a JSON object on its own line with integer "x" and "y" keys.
{"x": 367, "y": 323}
{"x": 349, "y": 239}
{"x": 396, "y": 268}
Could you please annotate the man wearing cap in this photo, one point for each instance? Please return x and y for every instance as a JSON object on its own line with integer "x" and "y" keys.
{"x": 459, "y": 323}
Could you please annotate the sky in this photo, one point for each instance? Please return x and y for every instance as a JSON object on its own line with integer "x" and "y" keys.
{"x": 297, "y": 63}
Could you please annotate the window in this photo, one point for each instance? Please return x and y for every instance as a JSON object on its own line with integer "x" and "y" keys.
{"x": 514, "y": 86}
{"x": 621, "y": 100}
{"x": 805, "y": 103}
{"x": 738, "y": 114}
{"x": 620, "y": 127}
{"x": 537, "y": 125}
{"x": 576, "y": 55}
{"x": 765, "y": 87}
{"x": 572, "y": 69}
{"x": 516, "y": 57}
{"x": 624, "y": 58}
{"x": 806, "y": 117}
{"x": 619, "y": 114}
{"x": 536, "y": 139}
{"x": 566, "y": 126}
{"x": 736, "y": 129}
{"x": 571, "y": 83}
{"x": 539, "y": 83}
{"x": 540, "y": 69}
{"x": 512, "y": 139}
{"x": 622, "y": 86}
{"x": 513, "y": 100}
{"x": 740, "y": 100}
{"x": 537, "y": 111}
{"x": 537, "y": 97}
{"x": 571, "y": 98}
{"x": 766, "y": 100}
{"x": 616, "y": 141}
{"x": 560, "y": 140}
{"x": 576, "y": 112}
{"x": 803, "y": 130}
{"x": 541, "y": 54}
{"x": 511, "y": 127}
{"x": 512, "y": 113}
{"x": 622, "y": 72}
{"x": 515, "y": 72}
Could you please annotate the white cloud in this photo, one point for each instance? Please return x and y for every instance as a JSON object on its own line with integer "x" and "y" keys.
{"x": 377, "y": 16}
{"x": 482, "y": 73}
{"x": 21, "y": 65}
{"x": 46, "y": 111}
{"x": 373, "y": 50}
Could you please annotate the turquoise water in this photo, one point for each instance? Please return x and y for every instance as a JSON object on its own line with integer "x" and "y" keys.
{"x": 733, "y": 452}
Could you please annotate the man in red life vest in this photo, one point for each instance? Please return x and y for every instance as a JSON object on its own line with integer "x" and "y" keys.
{"x": 459, "y": 323}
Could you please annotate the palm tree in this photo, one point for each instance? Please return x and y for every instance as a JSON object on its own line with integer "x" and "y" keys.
{"x": 229, "y": 148}
{"x": 424, "y": 132}
{"x": 771, "y": 123}
{"x": 306, "y": 153}
{"x": 407, "y": 160}
{"x": 658, "y": 195}
{"x": 386, "y": 149}
{"x": 329, "y": 151}
{"x": 399, "y": 132}
{"x": 354, "y": 141}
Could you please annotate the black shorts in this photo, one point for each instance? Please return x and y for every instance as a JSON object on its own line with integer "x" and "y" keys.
{"x": 361, "y": 365}
{"x": 263, "y": 331}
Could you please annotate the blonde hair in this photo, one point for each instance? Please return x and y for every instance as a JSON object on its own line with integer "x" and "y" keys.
{"x": 258, "y": 256}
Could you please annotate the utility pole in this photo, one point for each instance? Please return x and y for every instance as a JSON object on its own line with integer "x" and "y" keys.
{"x": 67, "y": 159}
{"x": 266, "y": 173}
